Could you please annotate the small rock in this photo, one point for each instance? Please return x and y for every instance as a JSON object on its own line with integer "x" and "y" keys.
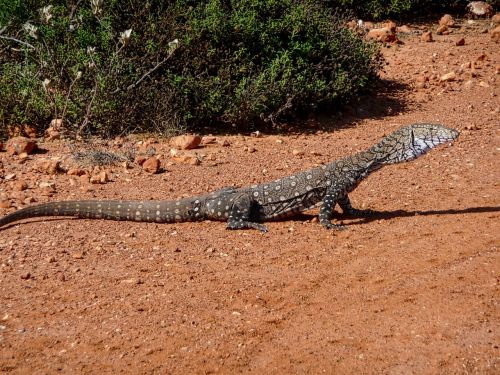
{"x": 151, "y": 165}
{"x": 10, "y": 176}
{"x": 208, "y": 140}
{"x": 185, "y": 157}
{"x": 18, "y": 145}
{"x": 5, "y": 203}
{"x": 495, "y": 36}
{"x": 54, "y": 131}
{"x": 497, "y": 69}
{"x": 29, "y": 200}
{"x": 483, "y": 84}
{"x": 224, "y": 143}
{"x": 480, "y": 8}
{"x": 76, "y": 172}
{"x": 139, "y": 160}
{"x": 405, "y": 29}
{"x": 186, "y": 141}
{"x": 103, "y": 177}
{"x": 132, "y": 280}
{"x": 95, "y": 179}
{"x": 20, "y": 185}
{"x": 47, "y": 166}
{"x": 447, "y": 20}
{"x": 442, "y": 30}
{"x": 51, "y": 259}
{"x": 26, "y": 276}
{"x": 77, "y": 255}
{"x": 460, "y": 42}
{"x": 30, "y": 131}
{"x": 451, "y": 76}
{"x": 46, "y": 184}
{"x": 427, "y": 37}
{"x": 297, "y": 152}
{"x": 384, "y": 35}
{"x": 496, "y": 19}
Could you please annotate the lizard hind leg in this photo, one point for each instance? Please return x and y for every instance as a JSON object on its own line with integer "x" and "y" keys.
{"x": 240, "y": 214}
{"x": 345, "y": 205}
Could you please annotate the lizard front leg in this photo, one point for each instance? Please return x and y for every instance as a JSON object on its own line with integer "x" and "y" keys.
{"x": 326, "y": 210}
{"x": 239, "y": 214}
{"x": 347, "y": 208}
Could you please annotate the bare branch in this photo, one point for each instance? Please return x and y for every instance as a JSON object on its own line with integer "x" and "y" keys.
{"x": 17, "y": 40}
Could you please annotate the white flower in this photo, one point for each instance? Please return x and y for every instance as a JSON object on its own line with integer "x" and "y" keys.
{"x": 96, "y": 6}
{"x": 45, "y": 13}
{"x": 90, "y": 50}
{"x": 30, "y": 29}
{"x": 172, "y": 46}
{"x": 46, "y": 83}
{"x": 125, "y": 36}
{"x": 78, "y": 75}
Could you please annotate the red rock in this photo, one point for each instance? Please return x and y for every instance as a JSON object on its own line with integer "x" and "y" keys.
{"x": 460, "y": 42}
{"x": 451, "y": 76}
{"x": 18, "y": 145}
{"x": 405, "y": 29}
{"x": 47, "y": 166}
{"x": 75, "y": 172}
{"x": 495, "y": 34}
{"x": 447, "y": 20}
{"x": 384, "y": 35}
{"x": 139, "y": 160}
{"x": 187, "y": 157}
{"x": 442, "y": 30}
{"x": 427, "y": 37}
{"x": 151, "y": 165}
{"x": 20, "y": 185}
{"x": 186, "y": 141}
{"x": 496, "y": 18}
{"x": 54, "y": 130}
{"x": 5, "y": 203}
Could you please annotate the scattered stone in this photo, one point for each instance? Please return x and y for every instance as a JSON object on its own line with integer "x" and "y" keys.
{"x": 51, "y": 259}
{"x": 496, "y": 19}
{"x": 405, "y": 29}
{"x": 10, "y": 176}
{"x": 151, "y": 165}
{"x": 26, "y": 276}
{"x": 186, "y": 141}
{"x": 208, "y": 140}
{"x": 76, "y": 172}
{"x": 99, "y": 178}
{"x": 47, "y": 184}
{"x": 54, "y": 131}
{"x": 442, "y": 30}
{"x": 384, "y": 35}
{"x": 78, "y": 255}
{"x": 139, "y": 160}
{"x": 497, "y": 69}
{"x": 483, "y": 84}
{"x": 132, "y": 280}
{"x": 20, "y": 185}
{"x": 5, "y": 203}
{"x": 29, "y": 200}
{"x": 495, "y": 35}
{"x": 460, "y": 42}
{"x": 480, "y": 8}
{"x": 185, "y": 157}
{"x": 427, "y": 37}
{"x": 421, "y": 82}
{"x": 18, "y": 145}
{"x": 47, "y": 166}
{"x": 297, "y": 152}
{"x": 447, "y": 20}
{"x": 451, "y": 76}
{"x": 23, "y": 156}
{"x": 30, "y": 131}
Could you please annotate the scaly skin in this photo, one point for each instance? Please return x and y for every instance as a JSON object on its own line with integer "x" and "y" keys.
{"x": 247, "y": 207}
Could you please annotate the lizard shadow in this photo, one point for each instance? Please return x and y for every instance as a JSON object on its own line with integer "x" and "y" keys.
{"x": 388, "y": 215}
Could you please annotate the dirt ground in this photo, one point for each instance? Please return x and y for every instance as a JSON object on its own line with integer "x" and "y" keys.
{"x": 412, "y": 290}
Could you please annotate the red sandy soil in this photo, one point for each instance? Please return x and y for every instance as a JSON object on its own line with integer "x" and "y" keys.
{"x": 412, "y": 290}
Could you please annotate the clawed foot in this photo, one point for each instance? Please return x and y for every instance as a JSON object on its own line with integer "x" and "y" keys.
{"x": 247, "y": 225}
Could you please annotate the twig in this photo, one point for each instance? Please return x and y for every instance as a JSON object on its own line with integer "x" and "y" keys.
{"x": 149, "y": 72}
{"x": 17, "y": 40}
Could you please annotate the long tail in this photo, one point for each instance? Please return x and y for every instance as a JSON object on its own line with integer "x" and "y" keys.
{"x": 148, "y": 211}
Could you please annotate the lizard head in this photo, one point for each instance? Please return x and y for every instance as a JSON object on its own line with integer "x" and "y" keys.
{"x": 412, "y": 141}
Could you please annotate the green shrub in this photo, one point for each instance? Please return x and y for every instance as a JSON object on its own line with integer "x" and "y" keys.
{"x": 109, "y": 66}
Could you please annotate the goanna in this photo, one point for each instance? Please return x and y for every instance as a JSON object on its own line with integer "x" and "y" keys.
{"x": 324, "y": 186}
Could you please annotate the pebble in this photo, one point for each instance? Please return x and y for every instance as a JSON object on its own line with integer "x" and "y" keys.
{"x": 451, "y": 76}
{"x": 5, "y": 204}
{"x": 151, "y": 165}
{"x": 26, "y": 276}
{"x": 75, "y": 172}
{"x": 77, "y": 255}
{"x": 20, "y": 185}
{"x": 18, "y": 145}
{"x": 460, "y": 42}
{"x": 447, "y": 20}
{"x": 186, "y": 141}
{"x": 442, "y": 30}
{"x": 383, "y": 35}
{"x": 427, "y": 37}
{"x": 495, "y": 34}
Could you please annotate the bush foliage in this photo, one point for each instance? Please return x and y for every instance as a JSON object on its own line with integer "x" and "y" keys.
{"x": 114, "y": 66}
